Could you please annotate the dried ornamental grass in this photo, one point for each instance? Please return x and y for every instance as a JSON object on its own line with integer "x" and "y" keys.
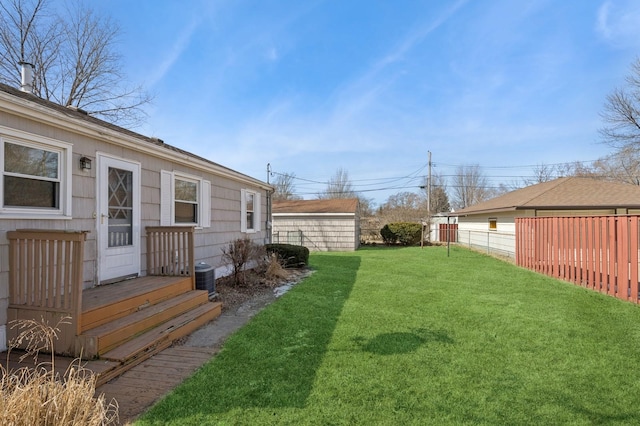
{"x": 39, "y": 396}
{"x": 274, "y": 268}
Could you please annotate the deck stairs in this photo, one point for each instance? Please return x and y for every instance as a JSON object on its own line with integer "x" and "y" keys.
{"x": 130, "y": 321}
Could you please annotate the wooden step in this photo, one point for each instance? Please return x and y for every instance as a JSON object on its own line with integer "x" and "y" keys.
{"x": 103, "y": 304}
{"x": 158, "y": 338}
{"x": 103, "y": 338}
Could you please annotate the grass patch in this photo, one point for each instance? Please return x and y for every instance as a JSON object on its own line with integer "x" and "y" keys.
{"x": 411, "y": 336}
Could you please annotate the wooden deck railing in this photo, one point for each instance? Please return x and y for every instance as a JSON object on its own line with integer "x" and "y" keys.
{"x": 45, "y": 272}
{"x": 170, "y": 251}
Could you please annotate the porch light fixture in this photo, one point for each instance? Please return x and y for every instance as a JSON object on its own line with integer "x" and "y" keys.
{"x": 85, "y": 163}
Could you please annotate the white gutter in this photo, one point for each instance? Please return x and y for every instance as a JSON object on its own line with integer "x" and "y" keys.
{"x": 313, "y": 214}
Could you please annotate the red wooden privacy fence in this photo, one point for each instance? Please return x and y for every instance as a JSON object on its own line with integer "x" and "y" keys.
{"x": 451, "y": 229}
{"x": 599, "y": 252}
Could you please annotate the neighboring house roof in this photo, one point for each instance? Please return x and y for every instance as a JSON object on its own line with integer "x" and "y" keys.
{"x": 336, "y": 205}
{"x": 562, "y": 194}
{"x": 38, "y": 104}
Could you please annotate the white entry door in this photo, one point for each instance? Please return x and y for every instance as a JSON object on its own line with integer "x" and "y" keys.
{"x": 118, "y": 216}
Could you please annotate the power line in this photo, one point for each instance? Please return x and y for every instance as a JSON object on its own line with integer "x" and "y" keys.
{"x": 411, "y": 180}
{"x": 524, "y": 166}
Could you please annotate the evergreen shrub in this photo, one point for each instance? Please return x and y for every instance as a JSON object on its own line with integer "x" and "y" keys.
{"x": 405, "y": 233}
{"x": 291, "y": 256}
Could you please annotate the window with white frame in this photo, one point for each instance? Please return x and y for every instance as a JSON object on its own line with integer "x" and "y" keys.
{"x": 36, "y": 176}
{"x": 250, "y": 211}
{"x": 184, "y": 200}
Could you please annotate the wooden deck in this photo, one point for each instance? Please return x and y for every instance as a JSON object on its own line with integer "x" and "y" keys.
{"x": 125, "y": 323}
{"x": 139, "y": 317}
{"x": 136, "y": 389}
{"x": 101, "y": 368}
{"x": 106, "y": 303}
{"x": 96, "y": 297}
{"x": 139, "y": 388}
{"x": 46, "y": 281}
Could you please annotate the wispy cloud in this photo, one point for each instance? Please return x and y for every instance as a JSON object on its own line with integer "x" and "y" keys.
{"x": 179, "y": 46}
{"x": 365, "y": 90}
{"x": 414, "y": 38}
{"x": 353, "y": 120}
{"x": 619, "y": 22}
{"x": 602, "y": 23}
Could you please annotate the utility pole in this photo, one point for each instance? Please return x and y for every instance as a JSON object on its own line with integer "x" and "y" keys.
{"x": 429, "y": 201}
{"x": 429, "y": 188}
{"x": 428, "y": 221}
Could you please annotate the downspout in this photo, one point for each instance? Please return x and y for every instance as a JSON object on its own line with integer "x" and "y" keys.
{"x": 268, "y": 222}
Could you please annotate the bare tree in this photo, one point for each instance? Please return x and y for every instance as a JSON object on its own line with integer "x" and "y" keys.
{"x": 621, "y": 166}
{"x": 366, "y": 206}
{"x": 469, "y": 186}
{"x": 403, "y": 207}
{"x": 576, "y": 168}
{"x": 541, "y": 173}
{"x": 547, "y": 172}
{"x": 27, "y": 33}
{"x": 74, "y": 58}
{"x": 338, "y": 186}
{"x": 285, "y": 187}
{"x": 622, "y": 112}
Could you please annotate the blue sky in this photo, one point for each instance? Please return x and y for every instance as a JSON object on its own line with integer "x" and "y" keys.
{"x": 371, "y": 86}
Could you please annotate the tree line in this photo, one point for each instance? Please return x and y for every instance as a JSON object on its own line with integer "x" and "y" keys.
{"x": 74, "y": 58}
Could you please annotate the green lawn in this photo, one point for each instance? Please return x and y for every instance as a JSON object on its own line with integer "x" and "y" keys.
{"x": 411, "y": 336}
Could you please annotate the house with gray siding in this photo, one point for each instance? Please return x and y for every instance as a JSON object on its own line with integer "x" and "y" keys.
{"x": 66, "y": 173}
{"x": 319, "y": 225}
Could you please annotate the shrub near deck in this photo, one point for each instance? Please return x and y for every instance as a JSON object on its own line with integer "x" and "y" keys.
{"x": 411, "y": 336}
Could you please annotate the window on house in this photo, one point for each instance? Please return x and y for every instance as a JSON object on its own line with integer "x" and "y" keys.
{"x": 250, "y": 214}
{"x": 493, "y": 224}
{"x": 35, "y": 178}
{"x": 184, "y": 200}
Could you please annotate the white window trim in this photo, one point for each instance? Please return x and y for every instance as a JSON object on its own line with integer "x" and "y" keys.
{"x": 256, "y": 211}
{"x": 65, "y": 155}
{"x": 167, "y": 199}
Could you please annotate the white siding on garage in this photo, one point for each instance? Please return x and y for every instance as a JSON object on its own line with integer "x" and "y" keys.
{"x": 318, "y": 232}
{"x": 474, "y": 232}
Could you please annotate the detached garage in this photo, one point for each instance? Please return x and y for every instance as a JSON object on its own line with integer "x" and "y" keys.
{"x": 319, "y": 225}
{"x": 491, "y": 225}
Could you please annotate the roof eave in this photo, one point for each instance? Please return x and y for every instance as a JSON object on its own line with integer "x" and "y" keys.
{"x": 485, "y": 211}
{"x": 576, "y": 207}
{"x": 41, "y": 113}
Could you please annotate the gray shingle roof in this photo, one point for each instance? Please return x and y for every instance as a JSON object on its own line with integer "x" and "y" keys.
{"x": 563, "y": 194}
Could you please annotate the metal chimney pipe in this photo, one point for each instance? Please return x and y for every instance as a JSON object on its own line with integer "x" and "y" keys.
{"x": 26, "y": 74}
